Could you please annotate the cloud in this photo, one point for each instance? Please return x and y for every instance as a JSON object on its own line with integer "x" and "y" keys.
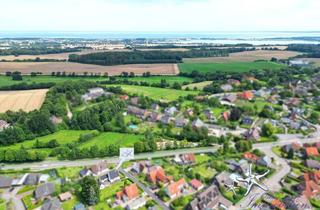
{"x": 164, "y": 15}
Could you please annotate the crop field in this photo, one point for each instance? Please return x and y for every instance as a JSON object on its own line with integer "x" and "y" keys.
{"x": 229, "y": 67}
{"x": 198, "y": 85}
{"x": 26, "y": 100}
{"x": 247, "y": 56}
{"x": 46, "y": 68}
{"x": 156, "y": 93}
{"x": 7, "y": 81}
{"x": 157, "y": 79}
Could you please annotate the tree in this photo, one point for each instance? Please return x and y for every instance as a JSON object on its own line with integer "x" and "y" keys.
{"x": 267, "y": 130}
{"x": 90, "y": 192}
{"x": 16, "y": 76}
{"x": 290, "y": 154}
{"x": 235, "y": 114}
{"x": 243, "y": 145}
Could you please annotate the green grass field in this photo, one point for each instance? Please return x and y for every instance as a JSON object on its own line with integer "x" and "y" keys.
{"x": 156, "y": 93}
{"x": 157, "y": 79}
{"x": 70, "y": 136}
{"x": 228, "y": 67}
{"x": 7, "y": 81}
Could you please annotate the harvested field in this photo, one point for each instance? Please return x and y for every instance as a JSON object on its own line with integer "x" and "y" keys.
{"x": 47, "y": 67}
{"x": 199, "y": 85}
{"x": 26, "y": 100}
{"x": 246, "y": 56}
{"x": 314, "y": 61}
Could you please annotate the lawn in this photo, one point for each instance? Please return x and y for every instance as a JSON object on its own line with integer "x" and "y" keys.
{"x": 72, "y": 136}
{"x": 69, "y": 172}
{"x": 157, "y": 79}
{"x": 106, "y": 139}
{"x": 2, "y": 204}
{"x": 228, "y": 67}
{"x": 156, "y": 93}
{"x": 69, "y": 205}
{"x": 108, "y": 194}
{"x": 7, "y": 81}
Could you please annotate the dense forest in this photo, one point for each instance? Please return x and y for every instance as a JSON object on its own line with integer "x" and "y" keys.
{"x": 310, "y": 50}
{"x": 136, "y": 56}
{"x": 36, "y": 51}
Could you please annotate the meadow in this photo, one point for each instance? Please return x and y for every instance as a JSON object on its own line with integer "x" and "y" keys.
{"x": 228, "y": 67}
{"x": 157, "y": 79}
{"x": 156, "y": 93}
{"x": 64, "y": 137}
{"x": 26, "y": 100}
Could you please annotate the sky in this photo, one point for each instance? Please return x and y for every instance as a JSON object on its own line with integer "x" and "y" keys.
{"x": 159, "y": 15}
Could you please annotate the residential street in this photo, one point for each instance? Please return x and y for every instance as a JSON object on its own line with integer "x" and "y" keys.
{"x": 145, "y": 189}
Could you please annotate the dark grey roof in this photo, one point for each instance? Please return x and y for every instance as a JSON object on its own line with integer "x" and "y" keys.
{"x": 313, "y": 164}
{"x": 113, "y": 174}
{"x": 44, "y": 190}
{"x": 52, "y": 204}
{"x": 83, "y": 172}
{"x": 5, "y": 181}
{"x": 32, "y": 179}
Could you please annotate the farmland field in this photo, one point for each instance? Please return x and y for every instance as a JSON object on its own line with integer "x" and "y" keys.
{"x": 199, "y": 85}
{"x": 47, "y": 68}
{"x": 7, "y": 81}
{"x": 156, "y": 93}
{"x": 26, "y": 100}
{"x": 157, "y": 79}
{"x": 228, "y": 67}
{"x": 247, "y": 56}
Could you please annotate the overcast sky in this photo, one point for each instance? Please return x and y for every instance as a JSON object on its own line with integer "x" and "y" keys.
{"x": 159, "y": 15}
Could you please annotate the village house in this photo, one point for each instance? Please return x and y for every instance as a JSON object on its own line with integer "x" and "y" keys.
{"x": 311, "y": 152}
{"x": 98, "y": 168}
{"x": 113, "y": 176}
{"x": 134, "y": 101}
{"x": 154, "y": 117}
{"x": 128, "y": 193}
{"x": 141, "y": 167}
{"x": 136, "y": 111}
{"x": 51, "y": 204}
{"x": 166, "y": 119}
{"x": 174, "y": 189}
{"x": 226, "y": 87}
{"x": 155, "y": 107}
{"x": 299, "y": 202}
{"x": 136, "y": 204}
{"x": 56, "y": 120}
{"x": 309, "y": 187}
{"x": 246, "y": 95}
{"x": 210, "y": 198}
{"x": 171, "y": 111}
{"x": 225, "y": 115}
{"x": 295, "y": 146}
{"x": 79, "y": 206}
{"x": 3, "y": 125}
{"x": 157, "y": 174}
{"x": 250, "y": 157}
{"x": 44, "y": 191}
{"x": 241, "y": 167}
{"x": 185, "y": 159}
{"x": 252, "y": 134}
{"x": 65, "y": 196}
{"x": 189, "y": 112}
{"x": 223, "y": 179}
{"x": 209, "y": 114}
{"x": 32, "y": 179}
{"x": 276, "y": 203}
{"x": 181, "y": 122}
{"x": 85, "y": 172}
{"x": 196, "y": 184}
{"x": 247, "y": 121}
{"x": 314, "y": 164}
{"x": 92, "y": 94}
{"x": 231, "y": 98}
{"x": 5, "y": 182}
{"x": 124, "y": 97}
{"x": 264, "y": 161}
{"x": 234, "y": 82}
{"x": 198, "y": 124}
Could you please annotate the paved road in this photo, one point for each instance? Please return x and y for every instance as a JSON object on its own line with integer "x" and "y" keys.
{"x": 49, "y": 164}
{"x": 145, "y": 189}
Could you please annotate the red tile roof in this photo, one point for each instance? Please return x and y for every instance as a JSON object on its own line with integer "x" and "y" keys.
{"x": 175, "y": 187}
{"x": 225, "y": 115}
{"x": 157, "y": 174}
{"x": 131, "y": 192}
{"x": 247, "y": 95}
{"x": 250, "y": 156}
{"x": 278, "y": 204}
{"x": 196, "y": 184}
{"x": 312, "y": 151}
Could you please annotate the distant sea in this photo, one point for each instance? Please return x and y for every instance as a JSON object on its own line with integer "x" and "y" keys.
{"x": 253, "y": 37}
